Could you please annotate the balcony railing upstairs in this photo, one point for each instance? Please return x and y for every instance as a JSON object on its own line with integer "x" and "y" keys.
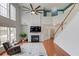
{"x": 63, "y": 23}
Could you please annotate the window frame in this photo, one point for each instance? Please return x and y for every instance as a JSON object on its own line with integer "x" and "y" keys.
{"x": 8, "y": 34}
{"x": 6, "y": 9}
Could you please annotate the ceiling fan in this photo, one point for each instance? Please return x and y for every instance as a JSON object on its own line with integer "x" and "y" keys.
{"x": 33, "y": 10}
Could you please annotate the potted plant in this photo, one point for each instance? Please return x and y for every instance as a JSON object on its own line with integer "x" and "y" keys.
{"x": 23, "y": 36}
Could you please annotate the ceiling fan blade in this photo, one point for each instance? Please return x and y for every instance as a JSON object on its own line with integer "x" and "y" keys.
{"x": 40, "y": 10}
{"x": 36, "y": 13}
{"x": 37, "y": 7}
{"x": 26, "y": 7}
{"x": 31, "y": 6}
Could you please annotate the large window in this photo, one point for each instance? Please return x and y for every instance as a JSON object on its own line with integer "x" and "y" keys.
{"x": 7, "y": 34}
{"x": 4, "y": 9}
{"x": 12, "y": 12}
{"x": 13, "y": 34}
{"x": 3, "y": 34}
{"x": 8, "y": 10}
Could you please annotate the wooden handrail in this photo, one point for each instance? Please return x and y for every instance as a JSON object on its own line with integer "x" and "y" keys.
{"x": 64, "y": 20}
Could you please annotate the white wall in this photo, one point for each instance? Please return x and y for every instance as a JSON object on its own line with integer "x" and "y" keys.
{"x": 46, "y": 22}
{"x": 18, "y": 21}
{"x": 69, "y": 38}
{"x": 37, "y": 20}
{"x": 28, "y": 19}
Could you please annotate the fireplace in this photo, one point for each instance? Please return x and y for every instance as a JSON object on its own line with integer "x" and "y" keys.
{"x": 34, "y": 38}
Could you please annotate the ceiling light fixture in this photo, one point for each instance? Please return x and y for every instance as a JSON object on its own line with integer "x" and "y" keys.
{"x": 33, "y": 12}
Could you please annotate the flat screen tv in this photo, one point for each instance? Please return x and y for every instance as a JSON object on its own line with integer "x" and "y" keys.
{"x": 35, "y": 28}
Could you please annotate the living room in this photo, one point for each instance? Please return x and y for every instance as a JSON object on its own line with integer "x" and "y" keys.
{"x": 18, "y": 22}
{"x": 33, "y": 29}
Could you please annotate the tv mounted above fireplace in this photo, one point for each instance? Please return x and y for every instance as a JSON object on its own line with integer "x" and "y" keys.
{"x": 35, "y": 28}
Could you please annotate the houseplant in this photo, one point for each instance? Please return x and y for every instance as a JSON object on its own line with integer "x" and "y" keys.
{"x": 23, "y": 36}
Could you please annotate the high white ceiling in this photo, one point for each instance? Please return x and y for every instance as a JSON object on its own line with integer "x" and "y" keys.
{"x": 45, "y": 5}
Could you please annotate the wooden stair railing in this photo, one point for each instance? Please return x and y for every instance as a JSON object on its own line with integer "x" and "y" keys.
{"x": 62, "y": 23}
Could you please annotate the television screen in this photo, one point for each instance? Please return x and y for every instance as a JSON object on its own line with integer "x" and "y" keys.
{"x": 35, "y": 29}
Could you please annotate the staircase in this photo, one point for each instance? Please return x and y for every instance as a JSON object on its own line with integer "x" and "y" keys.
{"x": 68, "y": 38}
{"x": 61, "y": 26}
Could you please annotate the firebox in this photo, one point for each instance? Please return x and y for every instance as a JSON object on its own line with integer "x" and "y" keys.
{"x": 34, "y": 38}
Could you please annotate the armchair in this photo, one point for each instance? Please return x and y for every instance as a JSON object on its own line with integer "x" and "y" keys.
{"x": 11, "y": 50}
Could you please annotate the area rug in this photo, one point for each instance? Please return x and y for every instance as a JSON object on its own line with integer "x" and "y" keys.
{"x": 32, "y": 49}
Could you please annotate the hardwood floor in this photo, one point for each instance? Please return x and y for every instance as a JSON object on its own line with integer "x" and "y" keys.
{"x": 52, "y": 49}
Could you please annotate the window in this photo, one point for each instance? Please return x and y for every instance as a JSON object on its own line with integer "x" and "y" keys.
{"x": 7, "y": 34}
{"x": 3, "y": 34}
{"x": 13, "y": 34}
{"x": 12, "y": 12}
{"x": 4, "y": 9}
